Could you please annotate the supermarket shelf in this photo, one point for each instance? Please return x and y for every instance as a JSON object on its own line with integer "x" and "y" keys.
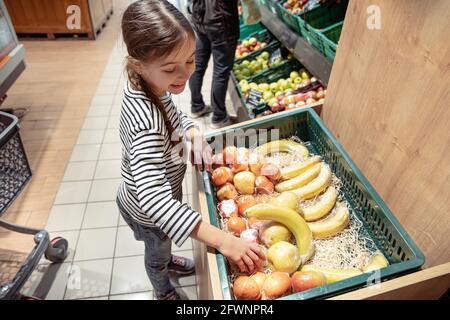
{"x": 312, "y": 59}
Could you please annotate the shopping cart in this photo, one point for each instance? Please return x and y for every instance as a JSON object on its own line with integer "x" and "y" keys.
{"x": 15, "y": 172}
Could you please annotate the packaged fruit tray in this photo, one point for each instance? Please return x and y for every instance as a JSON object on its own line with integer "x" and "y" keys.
{"x": 316, "y": 21}
{"x": 330, "y": 39}
{"x": 392, "y": 251}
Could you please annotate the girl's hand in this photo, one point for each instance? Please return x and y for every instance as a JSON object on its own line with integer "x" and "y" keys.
{"x": 246, "y": 255}
{"x": 201, "y": 153}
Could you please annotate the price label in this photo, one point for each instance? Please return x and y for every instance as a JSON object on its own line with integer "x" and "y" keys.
{"x": 276, "y": 55}
{"x": 254, "y": 97}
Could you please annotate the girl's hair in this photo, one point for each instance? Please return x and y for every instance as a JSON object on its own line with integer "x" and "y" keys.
{"x": 153, "y": 28}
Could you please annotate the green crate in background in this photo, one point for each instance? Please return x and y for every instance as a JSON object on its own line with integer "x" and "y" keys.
{"x": 292, "y": 20}
{"x": 263, "y": 36}
{"x": 317, "y": 20}
{"x": 330, "y": 40}
{"x": 247, "y": 30}
{"x": 379, "y": 222}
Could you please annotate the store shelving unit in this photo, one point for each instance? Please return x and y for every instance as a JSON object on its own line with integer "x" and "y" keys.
{"x": 304, "y": 52}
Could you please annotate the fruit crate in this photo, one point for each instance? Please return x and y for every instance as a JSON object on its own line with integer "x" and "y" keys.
{"x": 316, "y": 21}
{"x": 246, "y": 30}
{"x": 330, "y": 39}
{"x": 379, "y": 223}
{"x": 262, "y": 36}
{"x": 292, "y": 20}
{"x": 268, "y": 76}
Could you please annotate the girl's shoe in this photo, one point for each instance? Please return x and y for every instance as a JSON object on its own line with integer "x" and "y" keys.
{"x": 172, "y": 295}
{"x": 181, "y": 265}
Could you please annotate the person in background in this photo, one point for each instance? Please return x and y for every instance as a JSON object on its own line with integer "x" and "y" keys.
{"x": 161, "y": 47}
{"x": 216, "y": 23}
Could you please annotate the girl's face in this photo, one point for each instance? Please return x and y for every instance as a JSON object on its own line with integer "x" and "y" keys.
{"x": 170, "y": 73}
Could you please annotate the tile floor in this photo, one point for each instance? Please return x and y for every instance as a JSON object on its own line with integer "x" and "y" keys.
{"x": 105, "y": 261}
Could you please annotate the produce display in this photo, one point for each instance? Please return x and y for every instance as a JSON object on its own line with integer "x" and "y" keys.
{"x": 248, "y": 46}
{"x": 287, "y": 200}
{"x": 300, "y": 6}
{"x": 300, "y": 89}
{"x": 249, "y": 68}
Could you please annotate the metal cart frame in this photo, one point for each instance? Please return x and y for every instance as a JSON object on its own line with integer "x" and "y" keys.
{"x": 55, "y": 250}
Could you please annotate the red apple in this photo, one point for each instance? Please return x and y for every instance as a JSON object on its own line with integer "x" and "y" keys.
{"x": 277, "y": 107}
{"x": 302, "y": 281}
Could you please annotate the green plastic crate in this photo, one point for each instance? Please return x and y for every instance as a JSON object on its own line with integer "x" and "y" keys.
{"x": 292, "y": 20}
{"x": 316, "y": 21}
{"x": 330, "y": 39}
{"x": 263, "y": 36}
{"x": 247, "y": 30}
{"x": 379, "y": 222}
{"x": 280, "y": 72}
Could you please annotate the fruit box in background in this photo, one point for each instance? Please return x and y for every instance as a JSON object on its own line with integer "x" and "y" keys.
{"x": 379, "y": 223}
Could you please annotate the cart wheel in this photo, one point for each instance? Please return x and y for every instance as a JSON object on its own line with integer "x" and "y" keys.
{"x": 57, "y": 250}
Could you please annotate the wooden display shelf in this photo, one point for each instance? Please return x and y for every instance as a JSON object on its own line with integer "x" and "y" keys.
{"x": 49, "y": 18}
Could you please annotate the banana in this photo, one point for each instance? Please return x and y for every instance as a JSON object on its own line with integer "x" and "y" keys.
{"x": 378, "y": 261}
{"x": 298, "y": 168}
{"x": 333, "y": 275}
{"x": 292, "y": 220}
{"x": 332, "y": 224}
{"x": 317, "y": 185}
{"x": 283, "y": 146}
{"x": 300, "y": 180}
{"x": 322, "y": 207}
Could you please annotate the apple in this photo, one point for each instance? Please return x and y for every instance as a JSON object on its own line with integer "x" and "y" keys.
{"x": 290, "y": 106}
{"x": 300, "y": 104}
{"x": 276, "y": 107}
{"x": 293, "y": 75}
{"x": 298, "y": 80}
{"x": 302, "y": 281}
{"x": 252, "y": 41}
{"x": 272, "y": 101}
{"x": 299, "y": 97}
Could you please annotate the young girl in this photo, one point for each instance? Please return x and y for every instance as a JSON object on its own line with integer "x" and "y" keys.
{"x": 161, "y": 47}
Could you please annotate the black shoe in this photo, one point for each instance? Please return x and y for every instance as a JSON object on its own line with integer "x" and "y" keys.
{"x": 181, "y": 265}
{"x": 221, "y": 124}
{"x": 206, "y": 110}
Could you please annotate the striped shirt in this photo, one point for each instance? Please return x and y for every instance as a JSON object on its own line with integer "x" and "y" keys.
{"x": 151, "y": 190}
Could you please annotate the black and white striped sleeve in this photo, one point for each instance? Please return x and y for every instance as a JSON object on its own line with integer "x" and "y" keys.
{"x": 154, "y": 192}
{"x": 186, "y": 122}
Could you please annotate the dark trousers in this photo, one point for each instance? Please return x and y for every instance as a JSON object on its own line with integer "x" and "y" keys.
{"x": 212, "y": 40}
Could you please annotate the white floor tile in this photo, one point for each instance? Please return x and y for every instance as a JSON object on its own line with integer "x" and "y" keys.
{"x": 102, "y": 100}
{"x": 129, "y": 276}
{"x": 111, "y": 136}
{"x": 66, "y": 217}
{"x": 90, "y": 136}
{"x": 99, "y": 111}
{"x": 73, "y": 192}
{"x": 114, "y": 122}
{"x": 78, "y": 171}
{"x": 108, "y": 169}
{"x": 89, "y": 279}
{"x": 87, "y": 152}
{"x": 111, "y": 151}
{"x": 95, "y": 123}
{"x": 96, "y": 244}
{"x": 188, "y": 293}
{"x": 126, "y": 244}
{"x": 104, "y": 190}
{"x": 100, "y": 215}
{"x": 47, "y": 281}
